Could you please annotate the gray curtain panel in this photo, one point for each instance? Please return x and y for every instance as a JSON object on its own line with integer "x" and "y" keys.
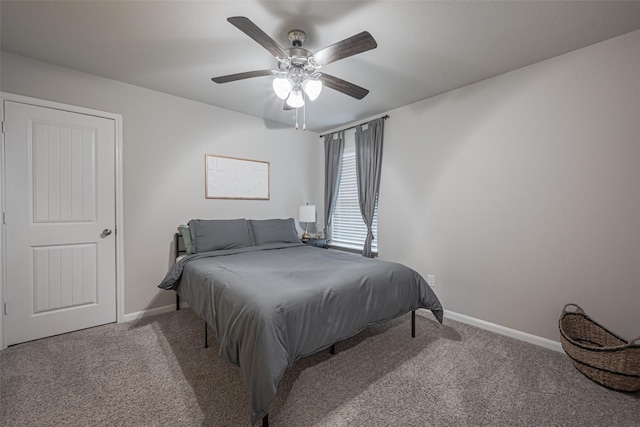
{"x": 333, "y": 148}
{"x": 368, "y": 168}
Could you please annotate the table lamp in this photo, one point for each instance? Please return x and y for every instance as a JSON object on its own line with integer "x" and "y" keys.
{"x": 307, "y": 214}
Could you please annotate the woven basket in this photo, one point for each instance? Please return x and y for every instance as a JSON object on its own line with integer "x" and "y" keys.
{"x": 599, "y": 354}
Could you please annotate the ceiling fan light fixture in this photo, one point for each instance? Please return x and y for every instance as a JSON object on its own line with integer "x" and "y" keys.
{"x": 312, "y": 88}
{"x": 282, "y": 87}
{"x": 297, "y": 76}
{"x": 295, "y": 99}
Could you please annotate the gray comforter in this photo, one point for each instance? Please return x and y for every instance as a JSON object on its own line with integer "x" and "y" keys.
{"x": 270, "y": 305}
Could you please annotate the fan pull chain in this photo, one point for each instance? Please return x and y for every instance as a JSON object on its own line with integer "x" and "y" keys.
{"x": 304, "y": 114}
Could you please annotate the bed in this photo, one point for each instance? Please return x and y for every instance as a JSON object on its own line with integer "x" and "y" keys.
{"x": 271, "y": 299}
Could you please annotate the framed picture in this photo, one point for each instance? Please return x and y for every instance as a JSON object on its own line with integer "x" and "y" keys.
{"x": 233, "y": 178}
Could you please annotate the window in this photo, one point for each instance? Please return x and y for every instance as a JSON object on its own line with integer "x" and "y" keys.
{"x": 347, "y": 227}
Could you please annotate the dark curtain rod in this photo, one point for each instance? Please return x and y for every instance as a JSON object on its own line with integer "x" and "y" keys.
{"x": 386, "y": 116}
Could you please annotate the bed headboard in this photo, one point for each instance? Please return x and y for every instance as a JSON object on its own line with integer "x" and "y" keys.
{"x": 179, "y": 245}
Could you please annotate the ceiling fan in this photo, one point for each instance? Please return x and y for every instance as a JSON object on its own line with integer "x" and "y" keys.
{"x": 298, "y": 74}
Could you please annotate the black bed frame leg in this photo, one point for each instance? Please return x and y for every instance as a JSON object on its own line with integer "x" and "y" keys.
{"x": 177, "y": 302}
{"x": 265, "y": 421}
{"x": 332, "y": 349}
{"x": 206, "y": 341}
{"x": 413, "y": 324}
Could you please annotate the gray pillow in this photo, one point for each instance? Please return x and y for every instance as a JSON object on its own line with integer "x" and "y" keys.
{"x": 274, "y": 231}
{"x": 218, "y": 234}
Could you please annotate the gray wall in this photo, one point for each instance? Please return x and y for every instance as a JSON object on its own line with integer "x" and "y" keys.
{"x": 165, "y": 140}
{"x": 522, "y": 192}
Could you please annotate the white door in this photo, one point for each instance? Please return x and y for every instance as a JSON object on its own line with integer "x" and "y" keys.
{"x": 60, "y": 219}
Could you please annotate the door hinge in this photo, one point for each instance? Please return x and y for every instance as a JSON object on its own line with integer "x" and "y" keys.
{"x": 4, "y": 218}
{"x": 4, "y": 127}
{"x": 5, "y": 308}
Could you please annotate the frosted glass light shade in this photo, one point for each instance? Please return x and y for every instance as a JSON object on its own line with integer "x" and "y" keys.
{"x": 295, "y": 99}
{"x": 307, "y": 213}
{"x": 282, "y": 87}
{"x": 312, "y": 88}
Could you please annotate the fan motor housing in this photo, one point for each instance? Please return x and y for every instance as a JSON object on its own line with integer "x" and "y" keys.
{"x": 298, "y": 55}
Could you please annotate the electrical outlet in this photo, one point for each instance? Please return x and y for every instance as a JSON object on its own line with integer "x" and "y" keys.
{"x": 431, "y": 280}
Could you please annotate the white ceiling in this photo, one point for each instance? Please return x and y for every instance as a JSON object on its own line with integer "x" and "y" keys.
{"x": 424, "y": 47}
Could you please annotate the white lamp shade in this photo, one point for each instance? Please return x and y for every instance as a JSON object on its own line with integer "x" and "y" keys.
{"x": 295, "y": 99}
{"x": 312, "y": 88}
{"x": 282, "y": 87}
{"x": 307, "y": 213}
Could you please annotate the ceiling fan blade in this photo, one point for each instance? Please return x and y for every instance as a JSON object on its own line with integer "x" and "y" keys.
{"x": 242, "y": 76}
{"x": 343, "y": 86}
{"x": 353, "y": 45}
{"x": 245, "y": 25}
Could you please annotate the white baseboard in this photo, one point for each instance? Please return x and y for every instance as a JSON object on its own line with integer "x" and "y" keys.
{"x": 503, "y": 330}
{"x": 152, "y": 312}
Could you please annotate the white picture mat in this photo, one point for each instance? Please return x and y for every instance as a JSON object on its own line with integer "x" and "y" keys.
{"x": 233, "y": 178}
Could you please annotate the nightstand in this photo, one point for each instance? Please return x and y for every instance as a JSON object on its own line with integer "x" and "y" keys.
{"x": 319, "y": 243}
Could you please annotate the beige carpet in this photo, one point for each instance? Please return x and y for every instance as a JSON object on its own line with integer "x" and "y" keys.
{"x": 155, "y": 372}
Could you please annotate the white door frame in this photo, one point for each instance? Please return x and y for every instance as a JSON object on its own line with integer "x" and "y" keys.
{"x": 119, "y": 228}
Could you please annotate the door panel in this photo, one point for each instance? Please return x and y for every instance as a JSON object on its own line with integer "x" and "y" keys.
{"x": 64, "y": 173}
{"x": 64, "y": 276}
{"x": 60, "y": 195}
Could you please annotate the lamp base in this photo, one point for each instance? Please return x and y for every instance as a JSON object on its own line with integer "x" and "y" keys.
{"x": 306, "y": 236}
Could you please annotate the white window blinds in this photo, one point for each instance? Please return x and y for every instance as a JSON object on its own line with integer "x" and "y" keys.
{"x": 347, "y": 227}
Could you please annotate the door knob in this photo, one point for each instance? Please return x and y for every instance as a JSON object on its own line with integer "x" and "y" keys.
{"x": 106, "y": 232}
